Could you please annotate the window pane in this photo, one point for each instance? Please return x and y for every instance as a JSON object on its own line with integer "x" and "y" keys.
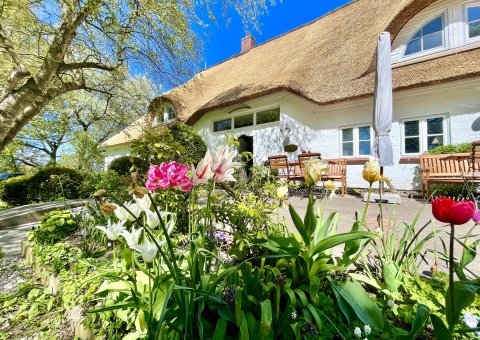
{"x": 171, "y": 113}
{"x": 417, "y": 35}
{"x": 268, "y": 116}
{"x": 364, "y": 133}
{"x": 347, "y": 149}
{"x": 473, "y": 13}
{"x": 474, "y": 29}
{"x": 433, "y": 40}
{"x": 222, "y": 125}
{"x": 364, "y": 148}
{"x": 434, "y": 141}
{"x": 413, "y": 46}
{"x": 347, "y": 135}
{"x": 412, "y": 145}
{"x": 243, "y": 121}
{"x": 434, "y": 126}
{"x": 433, "y": 26}
{"x": 412, "y": 128}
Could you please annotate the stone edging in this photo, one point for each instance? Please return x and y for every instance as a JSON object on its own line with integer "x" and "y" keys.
{"x": 52, "y": 283}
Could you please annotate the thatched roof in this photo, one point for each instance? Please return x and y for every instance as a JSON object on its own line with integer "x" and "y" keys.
{"x": 326, "y": 61}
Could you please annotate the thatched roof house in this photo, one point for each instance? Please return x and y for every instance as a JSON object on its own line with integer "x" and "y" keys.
{"x": 327, "y": 61}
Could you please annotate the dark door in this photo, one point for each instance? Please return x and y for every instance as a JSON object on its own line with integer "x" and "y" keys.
{"x": 246, "y": 145}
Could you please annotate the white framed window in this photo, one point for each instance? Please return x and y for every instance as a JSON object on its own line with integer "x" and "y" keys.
{"x": 356, "y": 141}
{"x": 472, "y": 21}
{"x": 260, "y": 116}
{"x": 422, "y": 134}
{"x": 165, "y": 114}
{"x": 430, "y": 37}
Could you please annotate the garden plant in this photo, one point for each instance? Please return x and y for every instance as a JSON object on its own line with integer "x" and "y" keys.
{"x": 192, "y": 254}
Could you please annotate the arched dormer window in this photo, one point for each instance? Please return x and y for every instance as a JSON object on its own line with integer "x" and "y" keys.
{"x": 165, "y": 114}
{"x": 430, "y": 36}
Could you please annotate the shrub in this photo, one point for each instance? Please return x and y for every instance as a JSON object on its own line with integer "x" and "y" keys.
{"x": 122, "y": 165}
{"x": 453, "y": 148}
{"x": 177, "y": 142}
{"x": 41, "y": 187}
{"x": 14, "y": 190}
{"x": 110, "y": 180}
{"x": 54, "y": 226}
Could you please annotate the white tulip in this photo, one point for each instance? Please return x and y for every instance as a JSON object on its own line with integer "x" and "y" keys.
{"x": 121, "y": 213}
{"x": 153, "y": 220}
{"x": 144, "y": 203}
{"x": 134, "y": 209}
{"x": 113, "y": 231}
{"x": 148, "y": 250}
{"x": 133, "y": 237}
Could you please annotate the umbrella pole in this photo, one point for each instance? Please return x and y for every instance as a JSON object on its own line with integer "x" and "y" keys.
{"x": 380, "y": 190}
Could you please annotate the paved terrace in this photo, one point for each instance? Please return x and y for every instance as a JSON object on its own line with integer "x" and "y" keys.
{"x": 405, "y": 211}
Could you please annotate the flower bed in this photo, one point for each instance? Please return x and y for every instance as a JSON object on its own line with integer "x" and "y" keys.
{"x": 164, "y": 266}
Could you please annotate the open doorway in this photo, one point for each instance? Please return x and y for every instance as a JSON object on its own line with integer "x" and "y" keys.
{"x": 246, "y": 145}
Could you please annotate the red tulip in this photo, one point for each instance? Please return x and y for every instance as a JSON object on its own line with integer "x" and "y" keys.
{"x": 451, "y": 211}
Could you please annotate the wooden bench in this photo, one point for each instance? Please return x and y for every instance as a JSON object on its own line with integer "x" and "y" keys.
{"x": 443, "y": 169}
{"x": 337, "y": 172}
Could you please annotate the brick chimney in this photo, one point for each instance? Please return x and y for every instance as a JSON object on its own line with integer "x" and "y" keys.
{"x": 247, "y": 43}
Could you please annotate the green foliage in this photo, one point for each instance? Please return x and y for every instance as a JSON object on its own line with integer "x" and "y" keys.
{"x": 54, "y": 226}
{"x": 14, "y": 190}
{"x": 177, "y": 142}
{"x": 451, "y": 148}
{"x": 111, "y": 181}
{"x": 125, "y": 165}
{"x": 42, "y": 186}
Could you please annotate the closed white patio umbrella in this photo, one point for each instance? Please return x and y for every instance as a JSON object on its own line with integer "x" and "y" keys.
{"x": 382, "y": 113}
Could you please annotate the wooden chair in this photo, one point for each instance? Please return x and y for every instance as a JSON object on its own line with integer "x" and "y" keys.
{"x": 337, "y": 172}
{"x": 443, "y": 169}
{"x": 473, "y": 174}
{"x": 279, "y": 166}
{"x": 304, "y": 157}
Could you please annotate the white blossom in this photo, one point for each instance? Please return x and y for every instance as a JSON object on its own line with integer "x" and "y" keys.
{"x": 367, "y": 329}
{"x": 391, "y": 303}
{"x": 113, "y": 231}
{"x": 470, "y": 320}
{"x": 132, "y": 237}
{"x": 148, "y": 250}
{"x": 153, "y": 220}
{"x": 357, "y": 332}
{"x": 143, "y": 203}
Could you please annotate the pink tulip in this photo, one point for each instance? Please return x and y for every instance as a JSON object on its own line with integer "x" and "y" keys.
{"x": 476, "y": 217}
{"x": 203, "y": 172}
{"x": 223, "y": 165}
{"x": 169, "y": 175}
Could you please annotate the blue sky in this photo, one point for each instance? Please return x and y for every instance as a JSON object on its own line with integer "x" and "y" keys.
{"x": 222, "y": 40}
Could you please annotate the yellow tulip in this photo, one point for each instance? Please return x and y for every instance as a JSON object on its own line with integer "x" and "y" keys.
{"x": 282, "y": 192}
{"x": 371, "y": 171}
{"x": 330, "y": 186}
{"x": 314, "y": 168}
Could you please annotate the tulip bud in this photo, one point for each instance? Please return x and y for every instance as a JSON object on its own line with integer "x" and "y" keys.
{"x": 314, "y": 168}
{"x": 371, "y": 171}
{"x": 282, "y": 192}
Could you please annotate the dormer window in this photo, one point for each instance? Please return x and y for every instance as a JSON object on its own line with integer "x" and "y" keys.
{"x": 427, "y": 38}
{"x": 473, "y": 17}
{"x": 165, "y": 114}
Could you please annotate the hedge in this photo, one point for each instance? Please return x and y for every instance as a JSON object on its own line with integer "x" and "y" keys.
{"x": 122, "y": 165}
{"x": 43, "y": 186}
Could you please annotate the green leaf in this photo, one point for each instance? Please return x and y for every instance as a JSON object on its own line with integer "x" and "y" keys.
{"x": 392, "y": 276}
{"x": 441, "y": 331}
{"x": 418, "y": 324}
{"x": 266, "y": 320}
{"x": 469, "y": 253}
{"x": 220, "y": 330}
{"x": 335, "y": 240}
{"x": 357, "y": 298}
{"x": 464, "y": 295}
{"x": 310, "y": 220}
{"x": 243, "y": 327}
{"x": 297, "y": 221}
